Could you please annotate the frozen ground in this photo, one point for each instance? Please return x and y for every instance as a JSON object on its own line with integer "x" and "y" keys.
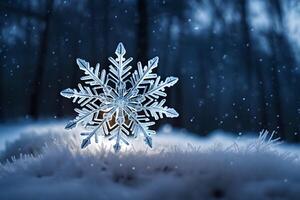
{"x": 43, "y": 161}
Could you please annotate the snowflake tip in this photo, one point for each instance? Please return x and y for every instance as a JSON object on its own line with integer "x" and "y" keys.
{"x": 117, "y": 147}
{"x": 82, "y": 64}
{"x": 148, "y": 141}
{"x": 68, "y": 93}
{"x": 172, "y": 80}
{"x": 85, "y": 143}
{"x": 154, "y": 61}
{"x": 120, "y": 49}
{"x": 171, "y": 112}
{"x": 70, "y": 125}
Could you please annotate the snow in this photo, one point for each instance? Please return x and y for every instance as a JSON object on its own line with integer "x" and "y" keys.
{"x": 181, "y": 165}
{"x": 117, "y": 110}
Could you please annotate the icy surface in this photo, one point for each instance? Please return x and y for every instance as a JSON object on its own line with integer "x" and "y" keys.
{"x": 182, "y": 166}
{"x": 119, "y": 104}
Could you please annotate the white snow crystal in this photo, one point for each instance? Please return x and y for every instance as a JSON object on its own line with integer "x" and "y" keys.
{"x": 119, "y": 104}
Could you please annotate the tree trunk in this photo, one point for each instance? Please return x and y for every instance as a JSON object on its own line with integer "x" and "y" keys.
{"x": 178, "y": 94}
{"x": 1, "y": 90}
{"x": 276, "y": 88}
{"x": 105, "y": 32}
{"x": 247, "y": 52}
{"x": 142, "y": 31}
{"x": 38, "y": 77}
{"x": 93, "y": 32}
{"x": 275, "y": 59}
{"x": 249, "y": 64}
{"x": 164, "y": 62}
{"x": 289, "y": 79}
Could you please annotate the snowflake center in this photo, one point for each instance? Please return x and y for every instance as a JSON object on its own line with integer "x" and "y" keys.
{"x": 120, "y": 102}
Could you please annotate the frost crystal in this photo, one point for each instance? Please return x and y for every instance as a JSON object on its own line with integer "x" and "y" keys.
{"x": 119, "y": 104}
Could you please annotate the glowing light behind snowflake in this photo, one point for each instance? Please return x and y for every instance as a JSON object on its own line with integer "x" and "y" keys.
{"x": 119, "y": 104}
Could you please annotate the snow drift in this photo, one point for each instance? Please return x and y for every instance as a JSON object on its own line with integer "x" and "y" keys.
{"x": 46, "y": 162}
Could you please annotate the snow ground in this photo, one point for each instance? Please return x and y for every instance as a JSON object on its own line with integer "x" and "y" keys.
{"x": 46, "y": 162}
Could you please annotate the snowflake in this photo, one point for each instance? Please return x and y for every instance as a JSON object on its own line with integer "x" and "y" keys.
{"x": 118, "y": 106}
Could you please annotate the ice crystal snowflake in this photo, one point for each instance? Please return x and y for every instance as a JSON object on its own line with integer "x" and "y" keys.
{"x": 118, "y": 106}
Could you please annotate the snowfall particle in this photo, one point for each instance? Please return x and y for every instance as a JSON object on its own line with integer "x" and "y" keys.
{"x": 119, "y": 104}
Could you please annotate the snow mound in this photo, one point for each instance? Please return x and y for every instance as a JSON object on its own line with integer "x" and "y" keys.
{"x": 47, "y": 163}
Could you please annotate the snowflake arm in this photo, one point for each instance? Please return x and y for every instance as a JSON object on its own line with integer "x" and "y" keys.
{"x": 119, "y": 135}
{"x": 143, "y": 126}
{"x": 84, "y": 96}
{"x": 157, "y": 110}
{"x": 92, "y": 76}
{"x": 87, "y": 140}
{"x": 141, "y": 75}
{"x": 120, "y": 69}
{"x": 157, "y": 89}
{"x": 85, "y": 115}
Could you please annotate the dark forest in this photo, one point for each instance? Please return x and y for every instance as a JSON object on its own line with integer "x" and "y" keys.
{"x": 237, "y": 60}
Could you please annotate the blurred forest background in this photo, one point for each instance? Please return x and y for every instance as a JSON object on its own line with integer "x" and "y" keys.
{"x": 237, "y": 60}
